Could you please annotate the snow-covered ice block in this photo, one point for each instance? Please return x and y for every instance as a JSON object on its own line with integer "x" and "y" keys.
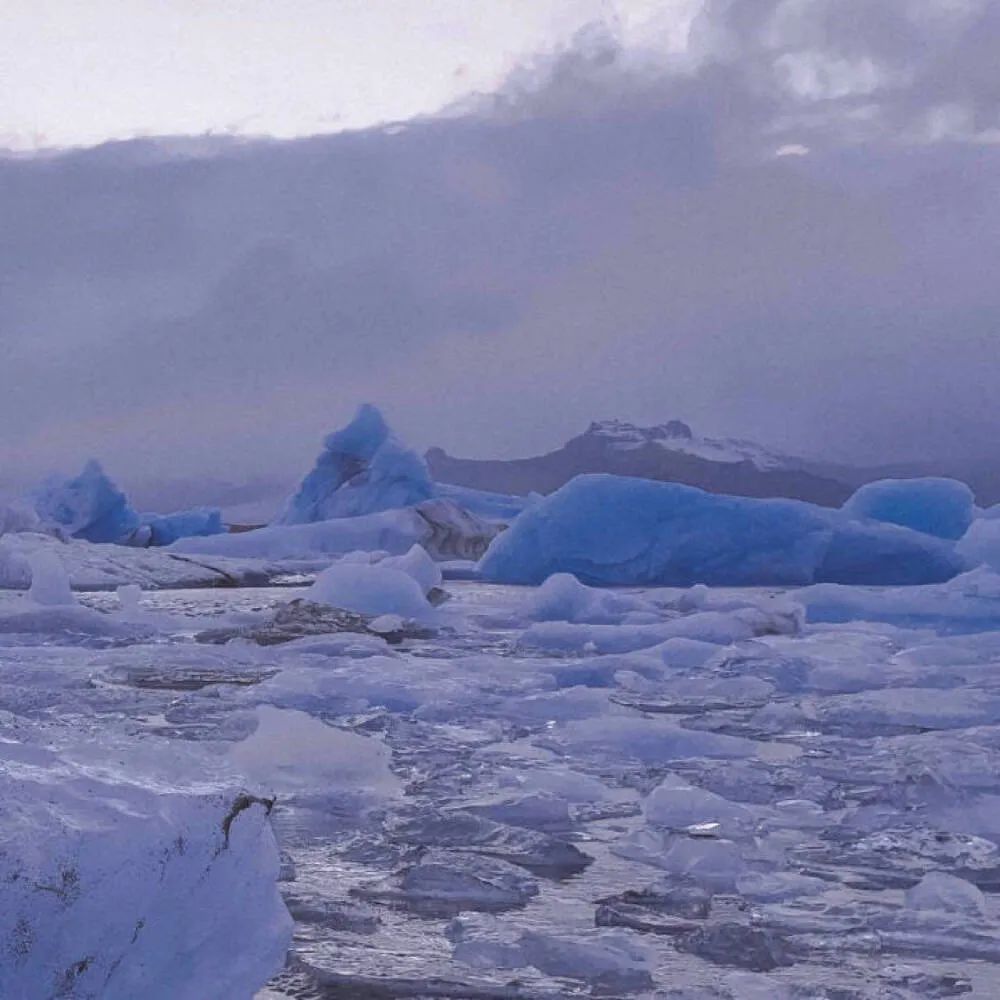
{"x": 363, "y": 469}
{"x": 609, "y": 530}
{"x": 89, "y": 506}
{"x": 132, "y": 883}
{"x": 934, "y": 506}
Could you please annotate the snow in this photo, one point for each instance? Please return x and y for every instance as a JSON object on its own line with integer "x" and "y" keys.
{"x": 125, "y": 881}
{"x": 615, "y": 530}
{"x": 934, "y": 506}
{"x": 675, "y": 435}
{"x": 362, "y": 469}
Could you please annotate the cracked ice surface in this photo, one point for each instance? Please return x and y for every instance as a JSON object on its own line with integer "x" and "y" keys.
{"x": 641, "y": 793}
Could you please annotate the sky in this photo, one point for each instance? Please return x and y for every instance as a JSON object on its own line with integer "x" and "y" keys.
{"x": 76, "y": 73}
{"x": 775, "y": 219}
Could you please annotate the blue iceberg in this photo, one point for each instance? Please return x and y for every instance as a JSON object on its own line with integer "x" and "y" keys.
{"x": 92, "y": 508}
{"x": 614, "y": 530}
{"x": 363, "y": 469}
{"x": 934, "y": 506}
{"x": 199, "y": 522}
{"x": 89, "y": 506}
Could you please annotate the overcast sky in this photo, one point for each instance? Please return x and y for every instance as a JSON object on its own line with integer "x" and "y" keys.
{"x": 776, "y": 219}
{"x": 77, "y": 72}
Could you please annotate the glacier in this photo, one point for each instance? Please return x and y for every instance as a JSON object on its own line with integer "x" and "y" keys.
{"x": 933, "y": 505}
{"x": 612, "y": 530}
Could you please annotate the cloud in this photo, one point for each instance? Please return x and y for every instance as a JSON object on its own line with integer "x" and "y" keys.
{"x": 612, "y": 233}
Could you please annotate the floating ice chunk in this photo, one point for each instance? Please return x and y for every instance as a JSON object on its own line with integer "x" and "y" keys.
{"x": 610, "y": 959}
{"x": 563, "y": 598}
{"x": 981, "y": 543}
{"x": 942, "y": 892}
{"x": 934, "y": 506}
{"x": 363, "y": 469}
{"x": 469, "y": 881}
{"x": 774, "y": 887}
{"x": 648, "y": 740}
{"x": 370, "y": 590}
{"x": 709, "y": 862}
{"x": 291, "y": 752}
{"x": 717, "y": 627}
{"x": 616, "y": 530}
{"x": 418, "y": 564}
{"x": 49, "y": 580}
{"x": 676, "y": 804}
{"x": 138, "y": 884}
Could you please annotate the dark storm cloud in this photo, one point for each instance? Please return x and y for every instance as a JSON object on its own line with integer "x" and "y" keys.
{"x": 603, "y": 237}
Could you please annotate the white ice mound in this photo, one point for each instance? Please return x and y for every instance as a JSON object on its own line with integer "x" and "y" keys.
{"x": 934, "y": 506}
{"x": 941, "y": 892}
{"x": 370, "y": 590}
{"x": 118, "y": 886}
{"x": 563, "y": 598}
{"x": 617, "y": 530}
{"x": 980, "y": 545}
{"x": 89, "y": 506}
{"x": 363, "y": 469}
{"x": 49, "y": 579}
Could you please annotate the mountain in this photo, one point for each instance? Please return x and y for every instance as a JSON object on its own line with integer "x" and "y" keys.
{"x": 670, "y": 452}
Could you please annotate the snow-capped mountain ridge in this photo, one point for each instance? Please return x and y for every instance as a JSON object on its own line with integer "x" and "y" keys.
{"x": 676, "y": 435}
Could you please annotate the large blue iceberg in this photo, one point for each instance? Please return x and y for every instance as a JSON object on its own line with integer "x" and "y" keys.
{"x": 92, "y": 508}
{"x": 89, "y": 506}
{"x": 613, "y": 530}
{"x": 363, "y": 469}
{"x": 934, "y": 506}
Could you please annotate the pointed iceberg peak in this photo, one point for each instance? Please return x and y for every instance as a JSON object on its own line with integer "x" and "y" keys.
{"x": 362, "y": 469}
{"x": 89, "y": 506}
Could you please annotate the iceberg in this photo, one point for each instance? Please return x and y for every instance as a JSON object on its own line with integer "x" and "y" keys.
{"x": 89, "y": 507}
{"x": 615, "y": 530}
{"x": 934, "y": 506}
{"x": 138, "y": 882}
{"x": 363, "y": 469}
{"x": 199, "y": 522}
